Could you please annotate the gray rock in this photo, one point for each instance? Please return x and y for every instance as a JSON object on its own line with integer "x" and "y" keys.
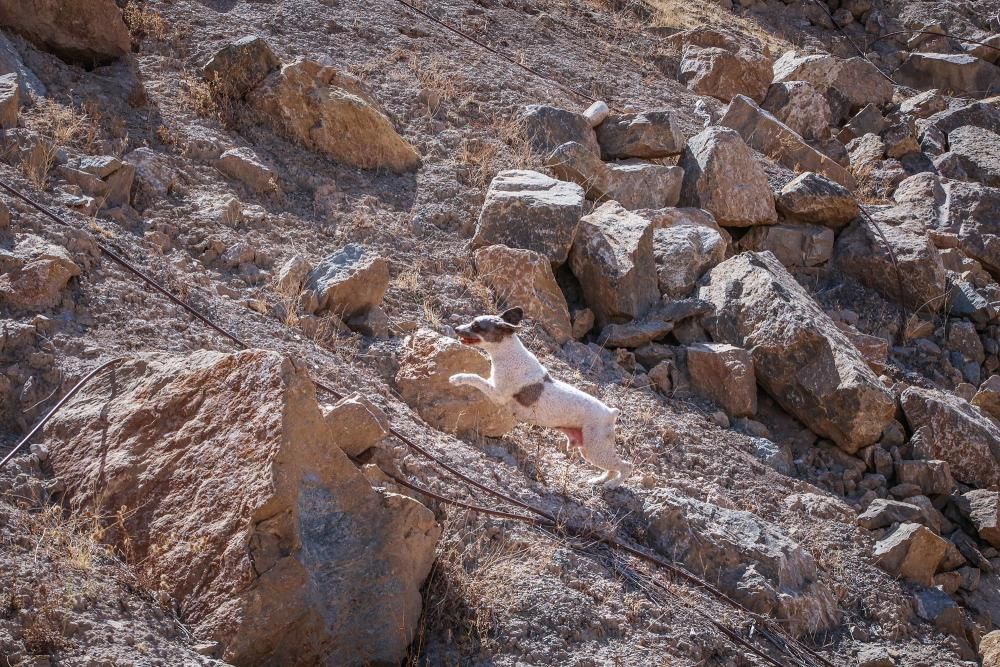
{"x": 770, "y": 136}
{"x": 954, "y": 213}
{"x": 793, "y": 244}
{"x": 982, "y": 509}
{"x": 633, "y": 184}
{"x": 85, "y": 32}
{"x": 547, "y": 128}
{"x": 240, "y": 66}
{"x": 749, "y": 558}
{"x": 950, "y": 72}
{"x": 686, "y": 243}
{"x": 350, "y": 281}
{"x": 813, "y": 198}
{"x": 861, "y": 253}
{"x": 882, "y": 513}
{"x": 652, "y": 134}
{"x": 801, "y": 357}
{"x": 978, "y": 150}
{"x": 612, "y": 258}
{"x": 800, "y": 106}
{"x": 933, "y": 477}
{"x": 526, "y": 209}
{"x": 948, "y": 428}
{"x": 721, "y": 176}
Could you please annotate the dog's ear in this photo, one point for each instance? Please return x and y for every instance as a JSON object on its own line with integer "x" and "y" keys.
{"x": 512, "y": 316}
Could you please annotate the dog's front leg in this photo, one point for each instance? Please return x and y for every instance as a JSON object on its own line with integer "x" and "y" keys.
{"x": 480, "y": 383}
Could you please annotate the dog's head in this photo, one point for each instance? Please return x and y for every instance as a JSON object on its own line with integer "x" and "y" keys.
{"x": 488, "y": 330}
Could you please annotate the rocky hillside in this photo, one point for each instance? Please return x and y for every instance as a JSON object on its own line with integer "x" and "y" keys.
{"x": 766, "y": 231}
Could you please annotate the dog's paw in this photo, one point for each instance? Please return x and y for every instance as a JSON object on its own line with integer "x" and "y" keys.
{"x": 459, "y": 379}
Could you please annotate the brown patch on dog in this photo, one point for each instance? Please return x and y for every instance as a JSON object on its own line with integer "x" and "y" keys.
{"x": 492, "y": 329}
{"x": 529, "y": 394}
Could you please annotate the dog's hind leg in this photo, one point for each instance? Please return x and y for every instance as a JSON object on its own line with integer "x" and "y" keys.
{"x": 599, "y": 450}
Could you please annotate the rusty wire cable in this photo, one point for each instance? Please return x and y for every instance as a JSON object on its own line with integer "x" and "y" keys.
{"x": 546, "y": 518}
{"x": 562, "y": 86}
{"x": 55, "y": 408}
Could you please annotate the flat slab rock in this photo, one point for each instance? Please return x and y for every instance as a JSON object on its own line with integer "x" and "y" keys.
{"x": 268, "y": 537}
{"x": 770, "y": 136}
{"x": 801, "y": 357}
{"x": 749, "y": 558}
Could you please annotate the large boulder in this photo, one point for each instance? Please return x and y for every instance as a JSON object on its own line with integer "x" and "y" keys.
{"x": 721, "y": 176}
{"x": 547, "y": 128}
{"x": 862, "y": 253}
{"x": 722, "y": 64}
{"x": 978, "y": 151}
{"x": 814, "y": 198}
{"x": 239, "y": 66}
{"x": 856, "y": 80}
{"x": 334, "y": 113}
{"x": 801, "y": 357}
{"x": 35, "y": 274}
{"x": 955, "y": 213}
{"x": 529, "y": 210}
{"x": 271, "y": 541}
{"x": 800, "y": 106}
{"x": 950, "y": 72}
{"x": 947, "y": 428}
{"x": 686, "y": 243}
{"x": 792, "y": 244}
{"x": 426, "y": 364}
{"x": 351, "y": 281}
{"x": 524, "y": 278}
{"x": 613, "y": 260}
{"x": 750, "y": 559}
{"x": 912, "y": 552}
{"x": 633, "y": 184}
{"x": 770, "y": 136}
{"x": 88, "y": 32}
{"x": 652, "y": 134}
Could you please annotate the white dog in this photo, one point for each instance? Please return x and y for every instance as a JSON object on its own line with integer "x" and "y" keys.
{"x": 519, "y": 380}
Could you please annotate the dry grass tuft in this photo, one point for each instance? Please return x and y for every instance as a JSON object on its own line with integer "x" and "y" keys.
{"x": 688, "y": 15}
{"x": 59, "y": 125}
{"x": 871, "y": 189}
{"x": 143, "y": 22}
